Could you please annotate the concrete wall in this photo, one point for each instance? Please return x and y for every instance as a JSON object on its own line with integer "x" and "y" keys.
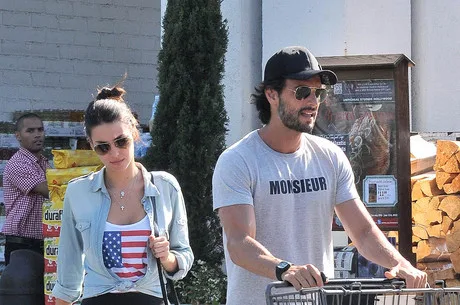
{"x": 436, "y": 51}
{"x": 337, "y": 27}
{"x": 242, "y": 64}
{"x": 53, "y": 54}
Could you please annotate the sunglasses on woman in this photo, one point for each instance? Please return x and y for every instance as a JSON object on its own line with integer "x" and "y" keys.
{"x": 104, "y": 148}
{"x": 302, "y": 92}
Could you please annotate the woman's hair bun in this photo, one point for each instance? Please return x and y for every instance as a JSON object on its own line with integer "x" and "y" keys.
{"x": 115, "y": 93}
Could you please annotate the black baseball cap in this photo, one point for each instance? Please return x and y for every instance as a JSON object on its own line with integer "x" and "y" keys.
{"x": 296, "y": 63}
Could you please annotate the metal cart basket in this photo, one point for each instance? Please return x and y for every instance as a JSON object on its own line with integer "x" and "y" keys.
{"x": 360, "y": 292}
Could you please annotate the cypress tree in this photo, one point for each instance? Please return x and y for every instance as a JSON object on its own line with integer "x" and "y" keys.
{"x": 188, "y": 132}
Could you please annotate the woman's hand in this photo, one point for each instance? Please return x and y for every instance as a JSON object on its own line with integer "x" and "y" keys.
{"x": 160, "y": 249}
{"x": 159, "y": 246}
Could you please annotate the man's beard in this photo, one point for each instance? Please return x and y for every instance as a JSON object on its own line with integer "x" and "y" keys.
{"x": 291, "y": 119}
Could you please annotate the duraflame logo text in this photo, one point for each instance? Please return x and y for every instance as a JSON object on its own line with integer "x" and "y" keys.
{"x": 50, "y": 285}
{"x": 51, "y": 250}
{"x": 53, "y": 215}
{"x": 49, "y": 281}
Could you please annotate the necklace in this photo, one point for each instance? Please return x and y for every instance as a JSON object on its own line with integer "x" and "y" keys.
{"x": 123, "y": 193}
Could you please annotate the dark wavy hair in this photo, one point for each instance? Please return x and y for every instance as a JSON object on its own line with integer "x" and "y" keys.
{"x": 108, "y": 107}
{"x": 260, "y": 100}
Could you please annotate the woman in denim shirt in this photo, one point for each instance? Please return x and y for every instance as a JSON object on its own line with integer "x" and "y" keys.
{"x": 107, "y": 240}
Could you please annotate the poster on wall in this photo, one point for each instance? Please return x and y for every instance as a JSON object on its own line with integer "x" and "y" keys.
{"x": 359, "y": 116}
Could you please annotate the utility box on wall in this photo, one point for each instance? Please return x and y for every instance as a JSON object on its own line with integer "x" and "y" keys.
{"x": 367, "y": 114}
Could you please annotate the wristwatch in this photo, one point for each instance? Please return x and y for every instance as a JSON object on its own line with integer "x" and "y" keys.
{"x": 282, "y": 267}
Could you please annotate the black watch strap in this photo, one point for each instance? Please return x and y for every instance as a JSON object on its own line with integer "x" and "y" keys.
{"x": 282, "y": 267}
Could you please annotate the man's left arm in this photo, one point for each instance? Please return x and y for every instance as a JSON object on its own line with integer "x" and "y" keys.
{"x": 42, "y": 189}
{"x": 373, "y": 244}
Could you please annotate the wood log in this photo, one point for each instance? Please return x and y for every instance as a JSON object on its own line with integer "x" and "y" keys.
{"x": 451, "y": 205}
{"x": 453, "y": 241}
{"x": 435, "y": 202}
{"x": 446, "y": 223}
{"x": 455, "y": 259}
{"x": 452, "y": 283}
{"x": 432, "y": 249}
{"x": 444, "y": 150}
{"x": 425, "y": 211}
{"x": 421, "y": 165}
{"x": 420, "y": 232}
{"x": 442, "y": 274}
{"x": 417, "y": 191}
{"x": 435, "y": 231}
{"x": 444, "y": 178}
{"x": 429, "y": 187}
{"x": 453, "y": 187}
{"x": 451, "y": 166}
{"x": 434, "y": 266}
{"x": 455, "y": 226}
{"x": 422, "y": 251}
{"x": 414, "y": 178}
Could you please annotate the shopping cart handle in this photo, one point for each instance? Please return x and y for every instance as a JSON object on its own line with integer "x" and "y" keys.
{"x": 365, "y": 282}
{"x": 286, "y": 283}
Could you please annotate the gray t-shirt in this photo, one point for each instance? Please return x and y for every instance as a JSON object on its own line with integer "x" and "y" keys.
{"x": 293, "y": 195}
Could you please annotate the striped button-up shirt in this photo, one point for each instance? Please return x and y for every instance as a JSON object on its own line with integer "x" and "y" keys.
{"x": 23, "y": 172}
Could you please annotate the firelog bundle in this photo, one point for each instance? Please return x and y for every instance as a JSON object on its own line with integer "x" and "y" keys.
{"x": 436, "y": 215}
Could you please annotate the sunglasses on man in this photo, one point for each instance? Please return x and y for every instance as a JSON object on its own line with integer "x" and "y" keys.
{"x": 302, "y": 92}
{"x": 104, "y": 148}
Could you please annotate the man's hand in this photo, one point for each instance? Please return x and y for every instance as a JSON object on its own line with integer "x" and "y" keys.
{"x": 414, "y": 278}
{"x": 303, "y": 276}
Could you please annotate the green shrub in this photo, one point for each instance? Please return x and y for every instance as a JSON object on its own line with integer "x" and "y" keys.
{"x": 205, "y": 285}
{"x": 189, "y": 128}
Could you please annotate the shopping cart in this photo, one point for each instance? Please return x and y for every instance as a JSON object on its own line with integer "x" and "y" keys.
{"x": 361, "y": 292}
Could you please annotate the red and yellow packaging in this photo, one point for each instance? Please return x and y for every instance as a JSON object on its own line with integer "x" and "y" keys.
{"x": 74, "y": 158}
{"x": 57, "y": 193}
{"x": 63, "y": 176}
{"x": 52, "y": 218}
{"x": 49, "y": 280}
{"x": 51, "y": 252}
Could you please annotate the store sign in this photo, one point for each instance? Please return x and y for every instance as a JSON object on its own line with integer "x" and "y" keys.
{"x": 365, "y": 91}
{"x": 359, "y": 116}
{"x": 380, "y": 191}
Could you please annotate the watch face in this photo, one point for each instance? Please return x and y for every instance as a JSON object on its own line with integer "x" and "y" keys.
{"x": 283, "y": 265}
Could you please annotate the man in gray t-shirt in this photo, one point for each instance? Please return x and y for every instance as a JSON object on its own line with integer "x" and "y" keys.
{"x": 276, "y": 191}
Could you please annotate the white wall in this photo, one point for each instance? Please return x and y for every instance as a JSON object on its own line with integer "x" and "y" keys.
{"x": 337, "y": 27}
{"x": 53, "y": 54}
{"x": 333, "y": 27}
{"x": 436, "y": 52}
{"x": 242, "y": 64}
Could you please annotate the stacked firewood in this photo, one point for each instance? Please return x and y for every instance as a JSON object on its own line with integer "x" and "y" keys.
{"x": 436, "y": 215}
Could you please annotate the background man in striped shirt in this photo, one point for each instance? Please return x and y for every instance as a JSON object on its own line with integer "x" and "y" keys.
{"x": 25, "y": 188}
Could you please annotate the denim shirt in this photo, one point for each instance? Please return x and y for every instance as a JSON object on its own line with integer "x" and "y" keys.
{"x": 86, "y": 207}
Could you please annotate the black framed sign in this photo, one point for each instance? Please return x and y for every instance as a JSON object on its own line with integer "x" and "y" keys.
{"x": 359, "y": 116}
{"x": 367, "y": 115}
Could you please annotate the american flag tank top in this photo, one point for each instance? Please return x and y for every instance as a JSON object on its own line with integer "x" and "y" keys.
{"x": 124, "y": 248}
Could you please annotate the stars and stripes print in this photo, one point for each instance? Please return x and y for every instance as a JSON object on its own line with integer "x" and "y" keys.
{"x": 125, "y": 252}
